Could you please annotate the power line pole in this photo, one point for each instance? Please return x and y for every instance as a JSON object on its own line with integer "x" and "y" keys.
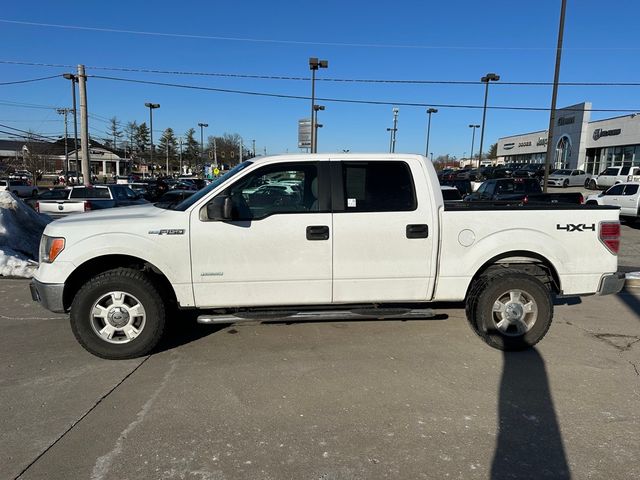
{"x": 554, "y": 96}
{"x": 84, "y": 126}
{"x": 65, "y": 111}
{"x": 394, "y": 129}
{"x": 180, "y": 141}
{"x": 254, "y": 147}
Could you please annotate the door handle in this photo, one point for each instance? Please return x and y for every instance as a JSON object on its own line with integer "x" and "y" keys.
{"x": 417, "y": 231}
{"x": 317, "y": 232}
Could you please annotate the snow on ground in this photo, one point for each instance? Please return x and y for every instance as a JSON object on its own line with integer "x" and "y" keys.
{"x": 20, "y": 231}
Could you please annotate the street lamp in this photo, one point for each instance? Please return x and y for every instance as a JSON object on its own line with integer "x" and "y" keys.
{"x": 429, "y": 112}
{"x": 316, "y": 108}
{"x": 202, "y": 127}
{"x": 151, "y": 107}
{"x": 473, "y": 139}
{"x": 314, "y": 64}
{"x": 489, "y": 77}
{"x": 74, "y": 80}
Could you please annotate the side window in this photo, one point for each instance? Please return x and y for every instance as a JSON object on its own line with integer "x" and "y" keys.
{"x": 378, "y": 187}
{"x": 630, "y": 190}
{"x": 119, "y": 193}
{"x": 615, "y": 190}
{"x": 275, "y": 189}
{"x": 625, "y": 171}
{"x": 130, "y": 194}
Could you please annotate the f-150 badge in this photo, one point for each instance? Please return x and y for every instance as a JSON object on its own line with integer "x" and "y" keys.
{"x": 167, "y": 231}
{"x": 580, "y": 227}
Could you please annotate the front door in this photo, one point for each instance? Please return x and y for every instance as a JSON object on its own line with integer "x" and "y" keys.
{"x": 629, "y": 200}
{"x": 383, "y": 234}
{"x": 277, "y": 248}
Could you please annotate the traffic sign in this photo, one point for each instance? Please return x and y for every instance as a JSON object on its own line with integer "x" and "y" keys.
{"x": 216, "y": 172}
{"x": 304, "y": 133}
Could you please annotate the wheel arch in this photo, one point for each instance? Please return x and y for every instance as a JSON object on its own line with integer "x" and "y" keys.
{"x": 522, "y": 260}
{"x": 103, "y": 263}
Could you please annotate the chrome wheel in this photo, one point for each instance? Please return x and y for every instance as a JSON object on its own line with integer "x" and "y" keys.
{"x": 514, "y": 313}
{"x": 118, "y": 317}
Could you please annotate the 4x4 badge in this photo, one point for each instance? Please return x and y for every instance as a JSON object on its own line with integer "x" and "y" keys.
{"x": 580, "y": 227}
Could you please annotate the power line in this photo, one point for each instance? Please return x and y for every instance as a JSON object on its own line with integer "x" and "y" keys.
{"x": 306, "y": 79}
{"x": 29, "y": 80}
{"x": 293, "y": 42}
{"x": 30, "y": 134}
{"x": 353, "y": 101}
{"x": 10, "y": 103}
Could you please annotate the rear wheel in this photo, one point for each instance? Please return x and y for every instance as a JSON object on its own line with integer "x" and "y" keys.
{"x": 587, "y": 184}
{"x": 510, "y": 310}
{"x": 593, "y": 185}
{"x": 118, "y": 314}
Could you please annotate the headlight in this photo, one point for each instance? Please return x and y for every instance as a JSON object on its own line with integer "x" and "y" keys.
{"x": 50, "y": 248}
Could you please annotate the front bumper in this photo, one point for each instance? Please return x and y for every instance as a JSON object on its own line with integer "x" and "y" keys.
{"x": 49, "y": 295}
{"x": 611, "y": 283}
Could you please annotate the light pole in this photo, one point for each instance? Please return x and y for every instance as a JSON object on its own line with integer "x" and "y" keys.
{"x": 180, "y": 154}
{"x": 392, "y": 131}
{"x": 74, "y": 80}
{"x": 151, "y": 107}
{"x": 554, "y": 95}
{"x": 429, "y": 112}
{"x": 316, "y": 108}
{"x": 489, "y": 77}
{"x": 473, "y": 139}
{"x": 314, "y": 64}
{"x": 202, "y": 127}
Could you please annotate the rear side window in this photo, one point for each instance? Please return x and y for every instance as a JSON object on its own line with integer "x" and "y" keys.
{"x": 101, "y": 193}
{"x": 451, "y": 195}
{"x": 378, "y": 187}
{"x": 631, "y": 189}
{"x": 610, "y": 171}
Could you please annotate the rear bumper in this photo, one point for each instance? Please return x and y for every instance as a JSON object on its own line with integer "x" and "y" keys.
{"x": 611, "y": 283}
{"x": 49, "y": 295}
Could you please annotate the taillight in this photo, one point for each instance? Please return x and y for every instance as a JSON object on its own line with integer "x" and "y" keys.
{"x": 610, "y": 236}
{"x": 525, "y": 200}
{"x": 581, "y": 199}
{"x": 87, "y": 206}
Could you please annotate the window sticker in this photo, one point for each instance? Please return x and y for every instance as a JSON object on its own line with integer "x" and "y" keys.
{"x": 351, "y": 202}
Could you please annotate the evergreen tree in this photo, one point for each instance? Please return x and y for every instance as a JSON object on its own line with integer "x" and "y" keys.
{"x": 191, "y": 148}
{"x": 141, "y": 138}
{"x": 130, "y": 132}
{"x": 114, "y": 132}
{"x": 168, "y": 142}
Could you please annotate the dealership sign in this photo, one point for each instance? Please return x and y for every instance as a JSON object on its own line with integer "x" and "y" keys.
{"x": 509, "y": 146}
{"x": 598, "y": 132}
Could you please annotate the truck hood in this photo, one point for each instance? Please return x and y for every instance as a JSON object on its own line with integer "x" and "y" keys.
{"x": 134, "y": 212}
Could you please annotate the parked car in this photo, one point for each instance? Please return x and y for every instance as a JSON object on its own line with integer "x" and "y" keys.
{"x": 623, "y": 195}
{"x": 447, "y": 174}
{"x": 463, "y": 186}
{"x": 84, "y": 199}
{"x": 524, "y": 190}
{"x": 21, "y": 175}
{"x": 51, "y": 194}
{"x": 531, "y": 170}
{"x": 612, "y": 176}
{"x": 121, "y": 273}
{"x": 173, "y": 197}
{"x": 20, "y": 188}
{"x": 567, "y": 177}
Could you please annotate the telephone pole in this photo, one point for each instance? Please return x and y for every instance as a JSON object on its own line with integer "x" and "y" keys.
{"x": 65, "y": 111}
{"x": 84, "y": 126}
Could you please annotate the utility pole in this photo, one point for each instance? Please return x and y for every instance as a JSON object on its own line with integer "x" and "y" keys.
{"x": 254, "y": 147}
{"x": 392, "y": 140}
{"x": 215, "y": 152}
{"x": 202, "y": 127}
{"x": 167, "y": 160}
{"x": 84, "y": 126}
{"x": 180, "y": 154}
{"x": 74, "y": 80}
{"x": 554, "y": 96}
{"x": 65, "y": 111}
{"x": 240, "y": 148}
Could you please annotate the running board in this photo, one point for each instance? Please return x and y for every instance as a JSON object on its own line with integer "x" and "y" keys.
{"x": 321, "y": 315}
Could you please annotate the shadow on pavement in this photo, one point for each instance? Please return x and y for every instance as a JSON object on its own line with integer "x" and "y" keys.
{"x": 529, "y": 443}
{"x": 631, "y": 300}
{"x": 182, "y": 328}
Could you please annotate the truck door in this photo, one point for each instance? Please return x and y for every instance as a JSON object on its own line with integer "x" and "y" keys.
{"x": 276, "y": 249}
{"x": 383, "y": 232}
{"x": 629, "y": 200}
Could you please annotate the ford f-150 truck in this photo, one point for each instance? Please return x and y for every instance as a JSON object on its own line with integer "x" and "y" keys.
{"x": 359, "y": 235}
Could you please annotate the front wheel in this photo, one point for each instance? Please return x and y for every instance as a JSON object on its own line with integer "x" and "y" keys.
{"x": 565, "y": 184}
{"x": 593, "y": 185}
{"x": 118, "y": 314}
{"x": 510, "y": 310}
{"x": 587, "y": 184}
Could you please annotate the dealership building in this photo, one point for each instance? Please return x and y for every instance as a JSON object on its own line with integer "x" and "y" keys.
{"x": 578, "y": 142}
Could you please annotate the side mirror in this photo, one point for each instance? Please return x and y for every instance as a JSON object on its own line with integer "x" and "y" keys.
{"x": 219, "y": 208}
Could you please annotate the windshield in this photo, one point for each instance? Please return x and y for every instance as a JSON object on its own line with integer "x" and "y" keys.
{"x": 562, "y": 172}
{"x": 187, "y": 202}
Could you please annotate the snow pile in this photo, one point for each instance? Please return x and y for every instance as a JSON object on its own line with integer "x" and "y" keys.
{"x": 20, "y": 231}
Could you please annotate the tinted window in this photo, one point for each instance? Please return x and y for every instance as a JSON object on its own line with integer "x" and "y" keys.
{"x": 631, "y": 189}
{"x": 119, "y": 193}
{"x": 624, "y": 171}
{"x": 54, "y": 195}
{"x": 378, "y": 187}
{"x": 90, "y": 193}
{"x": 610, "y": 171}
{"x": 615, "y": 190}
{"x": 451, "y": 195}
{"x": 3, "y": 183}
{"x": 284, "y": 188}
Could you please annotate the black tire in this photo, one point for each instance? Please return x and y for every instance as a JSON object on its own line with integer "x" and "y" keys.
{"x": 488, "y": 290}
{"x": 592, "y": 202}
{"x": 587, "y": 184}
{"x": 593, "y": 185}
{"x": 565, "y": 184}
{"x": 134, "y": 284}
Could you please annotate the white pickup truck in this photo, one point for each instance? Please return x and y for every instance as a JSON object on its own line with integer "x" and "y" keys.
{"x": 623, "y": 195}
{"x": 364, "y": 236}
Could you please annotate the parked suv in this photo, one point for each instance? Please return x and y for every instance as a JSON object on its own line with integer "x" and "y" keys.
{"x": 612, "y": 176}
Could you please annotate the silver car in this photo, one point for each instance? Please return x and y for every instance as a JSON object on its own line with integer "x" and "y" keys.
{"x": 566, "y": 177}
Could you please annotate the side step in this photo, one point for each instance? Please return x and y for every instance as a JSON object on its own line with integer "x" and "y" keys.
{"x": 321, "y": 315}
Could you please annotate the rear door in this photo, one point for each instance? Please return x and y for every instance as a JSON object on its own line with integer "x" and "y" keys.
{"x": 629, "y": 200}
{"x": 383, "y": 234}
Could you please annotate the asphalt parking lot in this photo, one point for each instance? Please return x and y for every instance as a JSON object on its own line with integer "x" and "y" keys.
{"x": 326, "y": 400}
